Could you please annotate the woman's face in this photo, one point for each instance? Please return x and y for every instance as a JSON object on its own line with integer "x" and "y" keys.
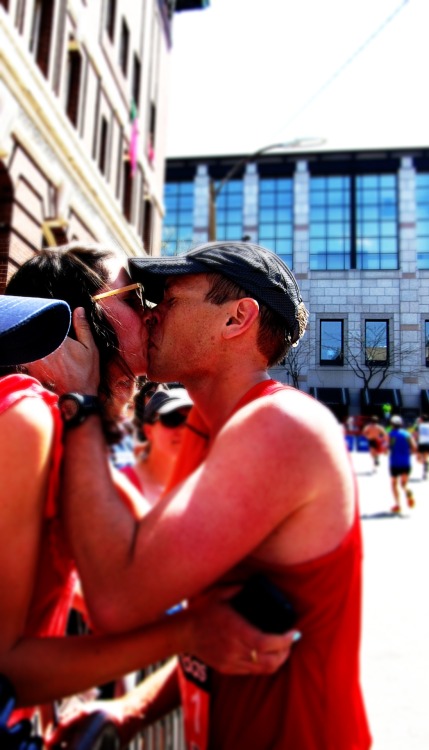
{"x": 127, "y": 316}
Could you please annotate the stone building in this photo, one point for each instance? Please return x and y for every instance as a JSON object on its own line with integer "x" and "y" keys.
{"x": 354, "y": 226}
{"x": 83, "y": 89}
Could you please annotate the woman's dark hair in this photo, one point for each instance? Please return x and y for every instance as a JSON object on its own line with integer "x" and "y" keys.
{"x": 74, "y": 273}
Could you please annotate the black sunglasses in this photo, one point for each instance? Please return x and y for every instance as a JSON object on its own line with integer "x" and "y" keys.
{"x": 172, "y": 419}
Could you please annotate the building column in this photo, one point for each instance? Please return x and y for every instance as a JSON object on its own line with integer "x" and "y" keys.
{"x": 201, "y": 205}
{"x": 407, "y": 218}
{"x": 409, "y": 306}
{"x": 301, "y": 234}
{"x": 251, "y": 202}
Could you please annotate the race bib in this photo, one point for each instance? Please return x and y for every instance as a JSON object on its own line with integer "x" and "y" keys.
{"x": 194, "y": 683}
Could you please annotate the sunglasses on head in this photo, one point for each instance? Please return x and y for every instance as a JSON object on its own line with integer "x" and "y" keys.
{"x": 172, "y": 419}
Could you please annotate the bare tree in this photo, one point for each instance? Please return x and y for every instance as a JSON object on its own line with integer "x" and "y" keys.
{"x": 372, "y": 359}
{"x": 296, "y": 360}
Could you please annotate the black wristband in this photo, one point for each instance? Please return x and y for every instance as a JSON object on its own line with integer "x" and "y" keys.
{"x": 75, "y": 408}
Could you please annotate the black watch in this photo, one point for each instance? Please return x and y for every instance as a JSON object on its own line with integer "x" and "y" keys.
{"x": 75, "y": 408}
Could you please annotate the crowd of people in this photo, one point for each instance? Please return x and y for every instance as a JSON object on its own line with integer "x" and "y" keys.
{"x": 218, "y": 490}
{"x": 399, "y": 444}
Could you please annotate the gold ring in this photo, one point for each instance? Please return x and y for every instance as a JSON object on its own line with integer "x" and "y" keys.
{"x": 254, "y": 656}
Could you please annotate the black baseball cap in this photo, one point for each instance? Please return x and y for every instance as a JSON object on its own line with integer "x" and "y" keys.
{"x": 31, "y": 328}
{"x": 257, "y": 270}
{"x": 166, "y": 401}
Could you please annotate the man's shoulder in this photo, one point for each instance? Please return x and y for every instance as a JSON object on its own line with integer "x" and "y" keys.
{"x": 284, "y": 415}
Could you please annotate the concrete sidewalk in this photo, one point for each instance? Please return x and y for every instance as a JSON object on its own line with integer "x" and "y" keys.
{"x": 395, "y": 647}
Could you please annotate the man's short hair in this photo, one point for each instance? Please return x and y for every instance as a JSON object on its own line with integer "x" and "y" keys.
{"x": 258, "y": 272}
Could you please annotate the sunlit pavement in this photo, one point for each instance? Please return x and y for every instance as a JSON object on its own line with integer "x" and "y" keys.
{"x": 395, "y": 648}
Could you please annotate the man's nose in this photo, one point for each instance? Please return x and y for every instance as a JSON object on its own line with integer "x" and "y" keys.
{"x": 151, "y": 316}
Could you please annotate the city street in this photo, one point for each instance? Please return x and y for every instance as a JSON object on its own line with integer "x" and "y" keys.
{"x": 395, "y": 649}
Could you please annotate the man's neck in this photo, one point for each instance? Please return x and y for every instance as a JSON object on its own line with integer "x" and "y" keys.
{"x": 216, "y": 398}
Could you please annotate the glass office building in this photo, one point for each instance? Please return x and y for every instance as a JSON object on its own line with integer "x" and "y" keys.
{"x": 354, "y": 227}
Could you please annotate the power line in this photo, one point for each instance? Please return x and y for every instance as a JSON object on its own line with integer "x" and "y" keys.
{"x": 345, "y": 65}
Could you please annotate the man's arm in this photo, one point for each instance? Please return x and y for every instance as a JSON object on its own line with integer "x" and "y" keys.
{"x": 133, "y": 571}
{"x": 255, "y": 476}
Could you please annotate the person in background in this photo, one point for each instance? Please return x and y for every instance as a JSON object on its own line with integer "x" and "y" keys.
{"x": 122, "y": 452}
{"x": 387, "y": 412}
{"x": 422, "y": 430}
{"x": 160, "y": 436}
{"x": 401, "y": 447}
{"x": 377, "y": 439}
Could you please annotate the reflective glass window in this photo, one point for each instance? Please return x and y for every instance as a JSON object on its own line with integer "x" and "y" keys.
{"x": 329, "y": 220}
{"x": 422, "y": 201}
{"x": 427, "y": 342}
{"x": 331, "y": 342}
{"x": 276, "y": 216}
{"x": 229, "y": 211}
{"x": 177, "y": 228}
{"x": 376, "y": 341}
{"x": 376, "y": 222}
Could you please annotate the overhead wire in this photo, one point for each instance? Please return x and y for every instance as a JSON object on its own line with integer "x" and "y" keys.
{"x": 344, "y": 65}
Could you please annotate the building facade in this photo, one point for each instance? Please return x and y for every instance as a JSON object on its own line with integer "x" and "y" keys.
{"x": 83, "y": 89}
{"x": 354, "y": 227}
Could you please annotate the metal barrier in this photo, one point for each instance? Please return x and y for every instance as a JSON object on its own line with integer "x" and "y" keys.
{"x": 166, "y": 734}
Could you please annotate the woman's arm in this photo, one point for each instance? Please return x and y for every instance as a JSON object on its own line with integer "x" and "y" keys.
{"x": 44, "y": 669}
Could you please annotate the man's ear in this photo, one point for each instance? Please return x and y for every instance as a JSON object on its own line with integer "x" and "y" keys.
{"x": 241, "y": 315}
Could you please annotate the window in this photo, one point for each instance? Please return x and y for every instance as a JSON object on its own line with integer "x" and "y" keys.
{"x": 354, "y": 223}
{"x": 427, "y": 342}
{"x": 136, "y": 80}
{"x": 330, "y": 240}
{"x": 147, "y": 225}
{"x": 102, "y": 154}
{"x": 332, "y": 342}
{"x": 54, "y": 232}
{"x": 151, "y": 134}
{"x": 178, "y": 222}
{"x": 376, "y": 342}
{"x": 110, "y": 18}
{"x": 229, "y": 211}
{"x": 422, "y": 215}
{"x": 276, "y": 216}
{"x": 74, "y": 68}
{"x": 376, "y": 223}
{"x": 127, "y": 190}
{"x": 41, "y": 29}
{"x": 123, "y": 50}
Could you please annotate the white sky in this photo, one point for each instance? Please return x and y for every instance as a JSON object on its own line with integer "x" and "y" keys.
{"x": 242, "y": 71}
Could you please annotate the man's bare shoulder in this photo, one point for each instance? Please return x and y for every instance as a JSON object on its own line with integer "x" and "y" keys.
{"x": 289, "y": 415}
{"x": 277, "y": 435}
{"x": 291, "y": 449}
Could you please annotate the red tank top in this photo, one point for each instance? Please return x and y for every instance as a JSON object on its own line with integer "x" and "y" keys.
{"x": 56, "y": 576}
{"x": 314, "y": 702}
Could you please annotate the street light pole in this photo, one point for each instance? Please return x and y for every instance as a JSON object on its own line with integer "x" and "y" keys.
{"x": 215, "y": 190}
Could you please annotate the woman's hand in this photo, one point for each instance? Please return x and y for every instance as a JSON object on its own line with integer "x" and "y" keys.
{"x": 224, "y": 640}
{"x": 75, "y": 365}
